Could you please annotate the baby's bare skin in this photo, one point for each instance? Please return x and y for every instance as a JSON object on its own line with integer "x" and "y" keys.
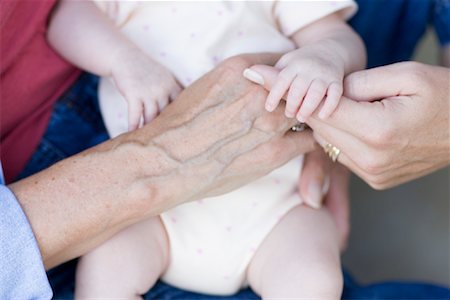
{"x": 82, "y": 201}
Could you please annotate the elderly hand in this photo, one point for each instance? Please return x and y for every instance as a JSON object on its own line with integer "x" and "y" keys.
{"x": 216, "y": 137}
{"x": 395, "y": 129}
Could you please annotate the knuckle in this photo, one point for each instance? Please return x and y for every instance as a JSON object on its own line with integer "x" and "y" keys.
{"x": 285, "y": 75}
{"x": 382, "y": 137}
{"x": 373, "y": 164}
{"x": 414, "y": 71}
{"x": 235, "y": 64}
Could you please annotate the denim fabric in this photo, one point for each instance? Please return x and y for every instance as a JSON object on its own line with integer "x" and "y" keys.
{"x": 441, "y": 21}
{"x": 75, "y": 125}
{"x": 391, "y": 29}
{"x": 352, "y": 290}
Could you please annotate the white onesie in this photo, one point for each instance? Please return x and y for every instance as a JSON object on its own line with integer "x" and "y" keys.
{"x": 213, "y": 240}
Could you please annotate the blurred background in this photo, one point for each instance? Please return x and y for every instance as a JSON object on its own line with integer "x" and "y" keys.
{"x": 402, "y": 233}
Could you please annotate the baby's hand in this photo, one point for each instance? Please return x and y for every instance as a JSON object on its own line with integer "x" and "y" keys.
{"x": 146, "y": 85}
{"x": 310, "y": 73}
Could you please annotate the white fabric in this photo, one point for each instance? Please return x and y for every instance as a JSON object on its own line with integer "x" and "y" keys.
{"x": 212, "y": 241}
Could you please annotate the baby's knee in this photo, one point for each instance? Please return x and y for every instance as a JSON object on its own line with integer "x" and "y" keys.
{"x": 326, "y": 283}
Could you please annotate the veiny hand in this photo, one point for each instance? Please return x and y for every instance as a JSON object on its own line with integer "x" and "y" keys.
{"x": 146, "y": 85}
{"x": 216, "y": 137}
{"x": 311, "y": 74}
{"x": 323, "y": 181}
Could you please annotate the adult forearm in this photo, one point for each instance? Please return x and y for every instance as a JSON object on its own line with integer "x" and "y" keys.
{"x": 215, "y": 137}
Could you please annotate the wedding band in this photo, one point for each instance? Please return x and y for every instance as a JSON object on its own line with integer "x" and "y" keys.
{"x": 332, "y": 151}
{"x": 299, "y": 127}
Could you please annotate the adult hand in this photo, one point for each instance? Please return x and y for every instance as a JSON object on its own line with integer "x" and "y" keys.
{"x": 395, "y": 129}
{"x": 215, "y": 137}
{"x": 323, "y": 181}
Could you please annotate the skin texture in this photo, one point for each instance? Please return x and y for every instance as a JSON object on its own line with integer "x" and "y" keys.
{"x": 392, "y": 126}
{"x": 148, "y": 87}
{"x": 216, "y": 137}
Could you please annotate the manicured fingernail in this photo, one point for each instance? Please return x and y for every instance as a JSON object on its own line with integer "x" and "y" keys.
{"x": 314, "y": 195}
{"x": 301, "y": 119}
{"x": 253, "y": 76}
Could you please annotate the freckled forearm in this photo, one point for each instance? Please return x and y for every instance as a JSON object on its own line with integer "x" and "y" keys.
{"x": 83, "y": 200}
{"x": 214, "y": 138}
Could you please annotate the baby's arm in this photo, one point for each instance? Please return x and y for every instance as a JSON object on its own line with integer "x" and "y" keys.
{"x": 328, "y": 50}
{"x": 82, "y": 34}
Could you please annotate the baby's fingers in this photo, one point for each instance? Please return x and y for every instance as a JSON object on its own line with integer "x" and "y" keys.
{"x": 297, "y": 92}
{"x": 334, "y": 94}
{"x": 135, "y": 109}
{"x": 150, "y": 111}
{"x": 284, "y": 80}
{"x": 175, "y": 92}
{"x": 316, "y": 92}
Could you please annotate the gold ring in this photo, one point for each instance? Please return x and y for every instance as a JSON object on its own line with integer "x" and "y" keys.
{"x": 332, "y": 151}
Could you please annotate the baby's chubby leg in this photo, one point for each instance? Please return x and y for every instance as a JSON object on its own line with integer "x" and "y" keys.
{"x": 127, "y": 265}
{"x": 299, "y": 259}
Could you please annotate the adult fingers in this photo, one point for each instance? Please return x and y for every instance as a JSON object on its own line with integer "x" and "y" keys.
{"x": 351, "y": 116}
{"x": 379, "y": 83}
{"x": 353, "y": 154}
{"x": 355, "y": 118}
{"x": 314, "y": 178}
{"x": 263, "y": 75}
{"x": 297, "y": 143}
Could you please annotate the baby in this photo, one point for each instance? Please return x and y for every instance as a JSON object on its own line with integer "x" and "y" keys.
{"x": 259, "y": 235}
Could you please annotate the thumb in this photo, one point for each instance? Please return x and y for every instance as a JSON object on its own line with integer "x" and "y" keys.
{"x": 263, "y": 75}
{"x": 380, "y": 83}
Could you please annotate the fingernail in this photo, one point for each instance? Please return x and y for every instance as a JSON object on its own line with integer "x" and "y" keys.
{"x": 300, "y": 119}
{"x": 253, "y": 76}
{"x": 315, "y": 195}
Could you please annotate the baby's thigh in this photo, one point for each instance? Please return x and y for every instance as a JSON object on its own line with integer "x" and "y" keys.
{"x": 133, "y": 259}
{"x": 300, "y": 255}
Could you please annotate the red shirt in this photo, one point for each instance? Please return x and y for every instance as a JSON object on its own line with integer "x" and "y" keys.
{"x": 32, "y": 77}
